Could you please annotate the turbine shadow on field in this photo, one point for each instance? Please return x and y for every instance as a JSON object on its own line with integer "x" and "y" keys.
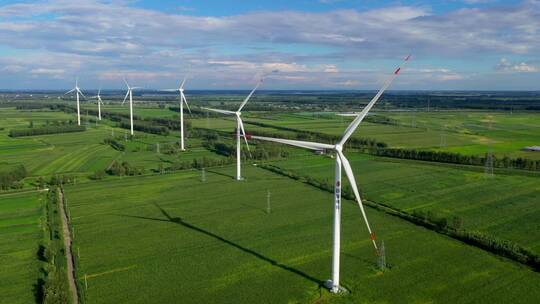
{"x": 275, "y": 263}
{"x": 220, "y": 173}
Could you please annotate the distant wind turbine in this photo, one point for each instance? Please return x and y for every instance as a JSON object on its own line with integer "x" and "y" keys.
{"x": 130, "y": 94}
{"x": 239, "y": 127}
{"x": 77, "y": 90}
{"x": 341, "y": 161}
{"x": 183, "y": 100}
{"x": 99, "y": 102}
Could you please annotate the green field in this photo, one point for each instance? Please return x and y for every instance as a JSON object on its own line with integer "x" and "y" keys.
{"x": 20, "y": 236}
{"x": 173, "y": 238}
{"x": 84, "y": 152}
{"x": 505, "y": 205}
{"x": 454, "y": 131}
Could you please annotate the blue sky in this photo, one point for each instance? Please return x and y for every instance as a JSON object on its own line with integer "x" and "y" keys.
{"x": 313, "y": 44}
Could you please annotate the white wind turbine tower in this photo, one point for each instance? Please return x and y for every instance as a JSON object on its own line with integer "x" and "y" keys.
{"x": 341, "y": 161}
{"x": 99, "y": 102}
{"x": 77, "y": 90}
{"x": 130, "y": 94}
{"x": 182, "y": 101}
{"x": 239, "y": 127}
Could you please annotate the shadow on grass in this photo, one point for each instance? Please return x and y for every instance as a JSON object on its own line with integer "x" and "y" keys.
{"x": 219, "y": 173}
{"x": 275, "y": 263}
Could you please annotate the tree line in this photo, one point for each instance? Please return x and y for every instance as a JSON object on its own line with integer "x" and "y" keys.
{"x": 46, "y": 130}
{"x": 354, "y": 142}
{"x": 457, "y": 158}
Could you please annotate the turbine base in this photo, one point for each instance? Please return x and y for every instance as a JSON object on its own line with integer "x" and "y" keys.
{"x": 334, "y": 289}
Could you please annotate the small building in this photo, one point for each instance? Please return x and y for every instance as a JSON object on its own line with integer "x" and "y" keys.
{"x": 532, "y": 148}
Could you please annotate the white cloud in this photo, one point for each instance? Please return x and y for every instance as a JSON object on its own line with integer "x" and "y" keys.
{"x": 521, "y": 67}
{"x": 107, "y": 39}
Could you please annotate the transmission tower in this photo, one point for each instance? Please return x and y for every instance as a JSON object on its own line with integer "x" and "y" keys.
{"x": 442, "y": 142}
{"x": 381, "y": 261}
{"x": 489, "y": 164}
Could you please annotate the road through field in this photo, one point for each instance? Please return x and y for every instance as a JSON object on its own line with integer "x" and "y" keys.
{"x": 69, "y": 255}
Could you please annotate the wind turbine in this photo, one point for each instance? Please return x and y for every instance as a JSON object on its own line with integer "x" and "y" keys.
{"x": 130, "y": 94}
{"x": 77, "y": 90}
{"x": 99, "y": 102}
{"x": 341, "y": 161}
{"x": 182, "y": 101}
{"x": 239, "y": 127}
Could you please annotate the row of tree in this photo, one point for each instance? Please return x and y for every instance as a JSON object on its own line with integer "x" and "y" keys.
{"x": 115, "y": 144}
{"x": 354, "y": 142}
{"x": 11, "y": 179}
{"x": 457, "y": 158}
{"x": 143, "y": 126}
{"x": 46, "y": 130}
{"x": 124, "y": 168}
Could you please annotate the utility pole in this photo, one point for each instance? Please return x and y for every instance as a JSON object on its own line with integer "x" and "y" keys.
{"x": 268, "y": 202}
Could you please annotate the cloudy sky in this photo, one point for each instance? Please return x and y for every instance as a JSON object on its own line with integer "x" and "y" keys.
{"x": 314, "y": 44}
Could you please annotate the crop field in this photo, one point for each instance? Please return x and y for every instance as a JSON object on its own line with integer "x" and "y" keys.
{"x": 171, "y": 237}
{"x": 84, "y": 152}
{"x": 20, "y": 235}
{"x": 142, "y": 110}
{"x": 505, "y": 205}
{"x": 463, "y": 132}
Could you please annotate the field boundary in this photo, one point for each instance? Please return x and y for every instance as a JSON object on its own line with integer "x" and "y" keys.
{"x": 67, "y": 248}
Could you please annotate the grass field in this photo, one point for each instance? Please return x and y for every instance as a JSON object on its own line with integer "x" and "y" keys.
{"x": 454, "y": 131}
{"x": 20, "y": 235}
{"x": 83, "y": 152}
{"x": 174, "y": 238}
{"x": 503, "y": 205}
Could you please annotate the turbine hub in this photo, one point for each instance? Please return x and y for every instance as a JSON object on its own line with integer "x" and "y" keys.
{"x": 338, "y": 148}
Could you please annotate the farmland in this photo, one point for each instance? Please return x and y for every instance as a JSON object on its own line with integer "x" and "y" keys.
{"x": 504, "y": 205}
{"x": 21, "y": 232}
{"x": 453, "y": 131}
{"x": 149, "y": 226}
{"x": 149, "y": 239}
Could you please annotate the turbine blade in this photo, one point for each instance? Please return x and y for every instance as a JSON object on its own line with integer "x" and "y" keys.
{"x": 250, "y": 94}
{"x": 99, "y": 91}
{"x": 80, "y": 92}
{"x": 183, "y": 82}
{"x": 354, "y": 124}
{"x": 244, "y": 134}
{"x": 184, "y": 100}
{"x": 227, "y": 112}
{"x": 127, "y": 94}
{"x": 296, "y": 143}
{"x": 125, "y": 81}
{"x": 348, "y": 114}
{"x": 350, "y": 176}
{"x": 72, "y": 90}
